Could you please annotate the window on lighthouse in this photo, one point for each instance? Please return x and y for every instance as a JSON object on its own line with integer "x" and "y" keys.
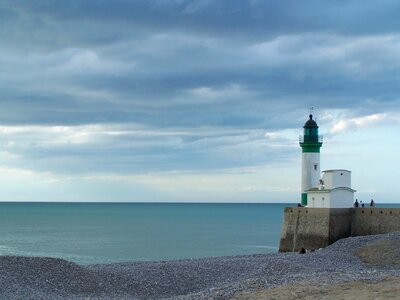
{"x": 315, "y": 167}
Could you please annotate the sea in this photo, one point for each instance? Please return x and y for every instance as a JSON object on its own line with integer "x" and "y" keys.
{"x": 91, "y": 233}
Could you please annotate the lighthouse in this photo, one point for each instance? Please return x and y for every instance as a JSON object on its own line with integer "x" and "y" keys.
{"x": 310, "y": 143}
{"x": 330, "y": 214}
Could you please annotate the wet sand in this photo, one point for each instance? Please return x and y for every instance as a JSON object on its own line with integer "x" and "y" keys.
{"x": 388, "y": 288}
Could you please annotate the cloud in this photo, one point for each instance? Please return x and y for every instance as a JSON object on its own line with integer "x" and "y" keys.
{"x": 135, "y": 87}
{"x": 132, "y": 148}
{"x": 362, "y": 56}
{"x": 357, "y": 123}
{"x": 175, "y": 73}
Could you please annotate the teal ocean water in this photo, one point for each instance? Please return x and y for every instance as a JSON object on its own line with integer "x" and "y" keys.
{"x": 119, "y": 232}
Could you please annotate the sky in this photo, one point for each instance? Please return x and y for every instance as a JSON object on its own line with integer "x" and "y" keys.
{"x": 195, "y": 101}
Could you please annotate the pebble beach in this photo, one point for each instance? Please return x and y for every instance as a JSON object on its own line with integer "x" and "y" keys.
{"x": 348, "y": 264}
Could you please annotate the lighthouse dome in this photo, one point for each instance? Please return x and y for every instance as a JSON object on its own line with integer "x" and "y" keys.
{"x": 310, "y": 123}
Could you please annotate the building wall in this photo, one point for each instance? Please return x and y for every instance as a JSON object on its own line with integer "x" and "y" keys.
{"x": 318, "y": 199}
{"x": 375, "y": 220}
{"x": 339, "y": 224}
{"x": 311, "y": 170}
{"x": 342, "y": 198}
{"x": 314, "y": 228}
{"x": 337, "y": 178}
{"x": 303, "y": 229}
{"x": 337, "y": 198}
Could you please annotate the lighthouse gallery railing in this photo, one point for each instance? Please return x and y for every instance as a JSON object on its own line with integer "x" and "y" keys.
{"x": 311, "y": 138}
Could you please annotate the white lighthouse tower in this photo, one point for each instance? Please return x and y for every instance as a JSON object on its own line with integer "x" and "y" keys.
{"x": 310, "y": 144}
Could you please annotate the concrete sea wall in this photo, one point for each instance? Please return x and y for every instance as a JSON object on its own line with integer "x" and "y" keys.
{"x": 314, "y": 228}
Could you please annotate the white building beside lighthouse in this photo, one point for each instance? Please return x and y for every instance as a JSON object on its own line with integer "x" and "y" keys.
{"x": 333, "y": 190}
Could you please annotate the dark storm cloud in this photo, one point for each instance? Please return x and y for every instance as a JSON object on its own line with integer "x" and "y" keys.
{"x": 249, "y": 18}
{"x": 166, "y": 65}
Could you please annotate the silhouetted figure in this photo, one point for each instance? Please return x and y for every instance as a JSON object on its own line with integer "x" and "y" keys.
{"x": 362, "y": 204}
{"x": 356, "y": 204}
{"x": 302, "y": 251}
{"x": 372, "y": 204}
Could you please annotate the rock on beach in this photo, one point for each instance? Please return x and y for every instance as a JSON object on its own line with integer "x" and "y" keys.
{"x": 348, "y": 263}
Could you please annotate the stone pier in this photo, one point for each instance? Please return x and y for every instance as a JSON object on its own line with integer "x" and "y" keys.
{"x": 314, "y": 228}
